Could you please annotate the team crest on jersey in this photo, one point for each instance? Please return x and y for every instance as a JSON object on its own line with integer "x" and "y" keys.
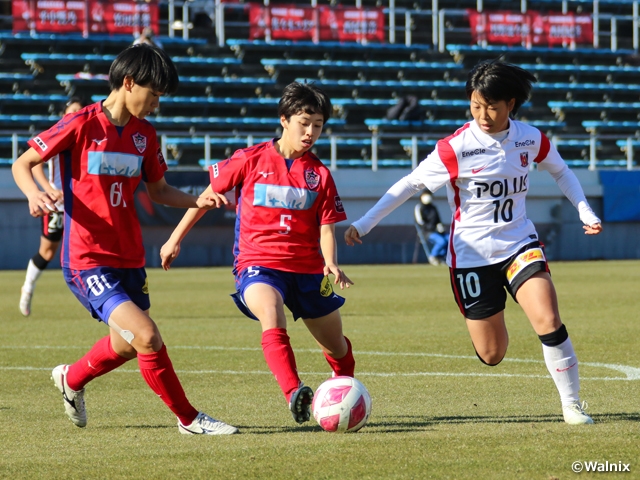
{"x": 312, "y": 179}
{"x": 524, "y": 159}
{"x": 160, "y": 156}
{"x": 140, "y": 141}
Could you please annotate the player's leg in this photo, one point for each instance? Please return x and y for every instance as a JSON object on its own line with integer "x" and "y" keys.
{"x": 537, "y": 297}
{"x": 266, "y": 303}
{"x": 327, "y": 331}
{"x": 481, "y": 298}
{"x": 490, "y": 338}
{"x": 49, "y": 241}
{"x": 120, "y": 299}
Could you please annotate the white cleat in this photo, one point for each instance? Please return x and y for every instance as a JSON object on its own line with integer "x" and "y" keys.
{"x": 73, "y": 401}
{"x": 574, "y": 414}
{"x": 25, "y": 302}
{"x": 206, "y": 425}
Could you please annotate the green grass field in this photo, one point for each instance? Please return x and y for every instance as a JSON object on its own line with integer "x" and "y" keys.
{"x": 437, "y": 411}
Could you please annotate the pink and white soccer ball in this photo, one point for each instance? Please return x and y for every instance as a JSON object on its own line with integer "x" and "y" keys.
{"x": 341, "y": 404}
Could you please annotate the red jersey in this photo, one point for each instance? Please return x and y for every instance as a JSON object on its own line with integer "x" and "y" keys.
{"x": 280, "y": 208}
{"x": 100, "y": 168}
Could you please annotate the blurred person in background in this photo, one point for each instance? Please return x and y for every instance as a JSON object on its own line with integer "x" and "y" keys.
{"x": 52, "y": 221}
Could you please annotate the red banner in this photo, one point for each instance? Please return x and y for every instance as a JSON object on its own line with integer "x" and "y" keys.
{"x": 291, "y": 22}
{"x": 560, "y": 28}
{"x": 531, "y": 28}
{"x": 282, "y": 22}
{"x": 49, "y": 15}
{"x": 352, "y": 24}
{"x": 123, "y": 17}
{"x": 66, "y": 16}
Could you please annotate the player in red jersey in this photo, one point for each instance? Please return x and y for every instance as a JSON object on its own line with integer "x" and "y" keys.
{"x": 105, "y": 150}
{"x": 287, "y": 207}
{"x": 52, "y": 222}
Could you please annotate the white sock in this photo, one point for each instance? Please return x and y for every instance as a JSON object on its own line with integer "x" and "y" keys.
{"x": 563, "y": 366}
{"x": 33, "y": 273}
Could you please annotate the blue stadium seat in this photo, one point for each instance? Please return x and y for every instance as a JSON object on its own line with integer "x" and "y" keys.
{"x": 15, "y": 121}
{"x": 75, "y": 38}
{"x": 324, "y": 46}
{"x": 12, "y": 77}
{"x": 96, "y": 58}
{"x": 590, "y": 106}
{"x": 21, "y": 98}
{"x": 516, "y": 49}
{"x": 193, "y": 80}
{"x": 571, "y": 69}
{"x": 595, "y": 125}
{"x": 225, "y": 122}
{"x": 388, "y": 84}
{"x": 344, "y": 163}
{"x": 444, "y": 124}
{"x": 361, "y": 65}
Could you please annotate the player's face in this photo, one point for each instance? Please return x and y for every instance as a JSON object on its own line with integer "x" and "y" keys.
{"x": 142, "y": 101}
{"x": 491, "y": 117}
{"x": 301, "y": 131}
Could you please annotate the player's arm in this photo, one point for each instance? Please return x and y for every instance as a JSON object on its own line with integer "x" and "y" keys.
{"x": 165, "y": 194}
{"x": 571, "y": 188}
{"x": 43, "y": 181}
{"x": 330, "y": 254}
{"x": 399, "y": 193}
{"x": 40, "y": 202}
{"x": 171, "y": 249}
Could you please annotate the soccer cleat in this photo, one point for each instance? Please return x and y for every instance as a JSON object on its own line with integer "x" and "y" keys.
{"x": 300, "y": 403}
{"x": 574, "y": 414}
{"x": 25, "y": 302}
{"x": 206, "y": 425}
{"x": 73, "y": 401}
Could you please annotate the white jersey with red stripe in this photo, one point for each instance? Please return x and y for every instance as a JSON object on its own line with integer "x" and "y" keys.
{"x": 487, "y": 182}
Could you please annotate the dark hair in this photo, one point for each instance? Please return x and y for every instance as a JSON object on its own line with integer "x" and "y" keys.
{"x": 148, "y": 65}
{"x": 304, "y": 98}
{"x": 74, "y": 99}
{"x": 496, "y": 80}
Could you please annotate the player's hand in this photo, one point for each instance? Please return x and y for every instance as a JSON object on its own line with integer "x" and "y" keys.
{"x": 594, "y": 229}
{"x": 352, "y": 236}
{"x": 168, "y": 253}
{"x": 56, "y": 194}
{"x": 340, "y": 279}
{"x": 41, "y": 204}
{"x": 211, "y": 200}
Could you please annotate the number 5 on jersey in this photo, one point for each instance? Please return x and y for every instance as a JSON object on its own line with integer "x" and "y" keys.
{"x": 284, "y": 222}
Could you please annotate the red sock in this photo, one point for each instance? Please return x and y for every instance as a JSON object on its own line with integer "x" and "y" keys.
{"x": 345, "y": 365}
{"x": 279, "y": 356}
{"x": 157, "y": 370}
{"x": 99, "y": 360}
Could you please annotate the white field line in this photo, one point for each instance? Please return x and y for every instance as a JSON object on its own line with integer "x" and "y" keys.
{"x": 631, "y": 373}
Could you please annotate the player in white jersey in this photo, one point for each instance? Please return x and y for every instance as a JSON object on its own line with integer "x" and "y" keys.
{"x": 52, "y": 222}
{"x": 493, "y": 246}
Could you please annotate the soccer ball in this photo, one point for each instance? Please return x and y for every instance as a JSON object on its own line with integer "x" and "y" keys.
{"x": 341, "y": 404}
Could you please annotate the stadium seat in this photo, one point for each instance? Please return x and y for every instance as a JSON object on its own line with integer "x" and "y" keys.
{"x": 19, "y": 98}
{"x": 58, "y": 58}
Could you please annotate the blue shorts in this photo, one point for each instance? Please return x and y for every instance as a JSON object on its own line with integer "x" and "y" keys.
{"x": 101, "y": 289}
{"x": 306, "y": 295}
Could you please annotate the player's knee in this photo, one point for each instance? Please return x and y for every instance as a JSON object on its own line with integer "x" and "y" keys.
{"x": 148, "y": 340}
{"x": 490, "y": 358}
